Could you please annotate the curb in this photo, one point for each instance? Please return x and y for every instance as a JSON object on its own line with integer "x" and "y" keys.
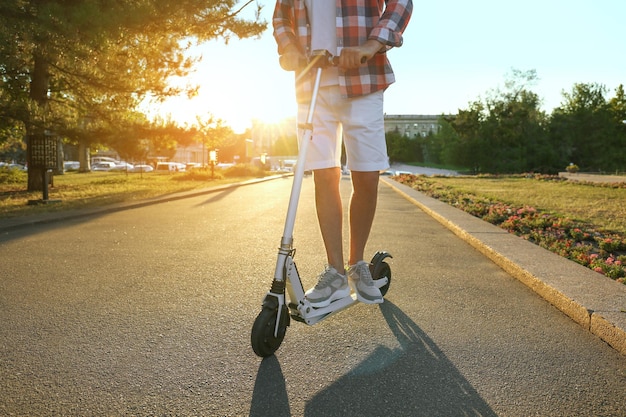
{"x": 595, "y": 302}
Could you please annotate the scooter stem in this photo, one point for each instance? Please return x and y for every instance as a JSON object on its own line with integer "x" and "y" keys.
{"x": 287, "y": 239}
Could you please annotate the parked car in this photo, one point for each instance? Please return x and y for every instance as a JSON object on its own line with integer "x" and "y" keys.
{"x": 71, "y": 165}
{"x": 193, "y": 165}
{"x": 141, "y": 168}
{"x": 288, "y": 165}
{"x": 122, "y": 166}
{"x": 103, "y": 166}
{"x": 170, "y": 167}
{"x": 224, "y": 165}
{"x": 98, "y": 159}
{"x": 19, "y": 167}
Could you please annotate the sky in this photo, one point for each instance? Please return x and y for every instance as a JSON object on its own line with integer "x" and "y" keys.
{"x": 455, "y": 52}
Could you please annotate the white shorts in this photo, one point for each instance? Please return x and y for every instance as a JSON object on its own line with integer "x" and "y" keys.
{"x": 360, "y": 121}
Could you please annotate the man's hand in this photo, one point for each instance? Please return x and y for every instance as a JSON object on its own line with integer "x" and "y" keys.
{"x": 354, "y": 57}
{"x": 292, "y": 58}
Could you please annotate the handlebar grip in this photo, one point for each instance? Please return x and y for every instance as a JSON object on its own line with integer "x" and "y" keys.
{"x": 323, "y": 59}
{"x": 334, "y": 61}
{"x": 302, "y": 62}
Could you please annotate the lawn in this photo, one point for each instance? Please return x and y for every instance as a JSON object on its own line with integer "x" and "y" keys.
{"x": 601, "y": 205}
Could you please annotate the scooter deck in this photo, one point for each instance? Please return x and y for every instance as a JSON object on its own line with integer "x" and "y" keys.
{"x": 310, "y": 315}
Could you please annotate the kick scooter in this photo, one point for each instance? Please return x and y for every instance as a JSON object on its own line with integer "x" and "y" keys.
{"x": 270, "y": 326}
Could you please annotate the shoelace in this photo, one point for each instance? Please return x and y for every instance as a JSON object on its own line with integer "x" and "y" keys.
{"x": 325, "y": 278}
{"x": 364, "y": 275}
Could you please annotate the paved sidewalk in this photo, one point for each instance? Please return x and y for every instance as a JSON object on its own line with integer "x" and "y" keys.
{"x": 595, "y": 302}
{"x": 583, "y": 177}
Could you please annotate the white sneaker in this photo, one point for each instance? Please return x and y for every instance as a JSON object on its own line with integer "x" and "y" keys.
{"x": 330, "y": 287}
{"x": 363, "y": 285}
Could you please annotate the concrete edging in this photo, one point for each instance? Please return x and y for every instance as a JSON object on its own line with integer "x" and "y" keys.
{"x": 592, "y": 300}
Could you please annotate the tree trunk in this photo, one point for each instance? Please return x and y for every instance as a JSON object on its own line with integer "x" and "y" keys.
{"x": 83, "y": 156}
{"x": 39, "y": 87}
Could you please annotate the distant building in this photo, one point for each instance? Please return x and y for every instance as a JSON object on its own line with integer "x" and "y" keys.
{"x": 412, "y": 125}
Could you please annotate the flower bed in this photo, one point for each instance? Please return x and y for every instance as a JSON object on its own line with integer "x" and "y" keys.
{"x": 604, "y": 252}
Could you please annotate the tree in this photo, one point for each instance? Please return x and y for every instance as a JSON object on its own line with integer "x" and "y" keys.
{"x": 451, "y": 152}
{"x": 213, "y": 134}
{"x": 513, "y": 125}
{"x": 583, "y": 124}
{"x": 470, "y": 149}
{"x": 617, "y": 105}
{"x": 401, "y": 148}
{"x": 63, "y": 62}
{"x": 505, "y": 132}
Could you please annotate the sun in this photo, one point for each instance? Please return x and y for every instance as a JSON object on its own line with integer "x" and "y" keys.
{"x": 236, "y": 109}
{"x": 237, "y": 83}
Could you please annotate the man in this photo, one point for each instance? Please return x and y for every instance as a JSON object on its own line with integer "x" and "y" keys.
{"x": 349, "y": 106}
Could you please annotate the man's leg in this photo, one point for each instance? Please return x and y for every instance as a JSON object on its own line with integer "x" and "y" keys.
{"x": 330, "y": 214}
{"x": 362, "y": 211}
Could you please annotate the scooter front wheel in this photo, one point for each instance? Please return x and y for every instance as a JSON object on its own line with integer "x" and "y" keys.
{"x": 264, "y": 341}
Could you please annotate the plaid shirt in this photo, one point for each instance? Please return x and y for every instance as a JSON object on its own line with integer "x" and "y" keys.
{"x": 383, "y": 20}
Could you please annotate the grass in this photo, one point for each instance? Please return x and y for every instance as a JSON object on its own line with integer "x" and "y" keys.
{"x": 75, "y": 190}
{"x": 601, "y": 205}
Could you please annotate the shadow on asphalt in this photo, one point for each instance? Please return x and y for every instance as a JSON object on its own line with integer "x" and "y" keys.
{"x": 415, "y": 379}
{"x": 217, "y": 196}
{"x": 35, "y": 225}
{"x": 269, "y": 397}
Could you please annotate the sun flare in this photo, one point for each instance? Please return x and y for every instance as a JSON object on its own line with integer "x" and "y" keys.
{"x": 236, "y": 109}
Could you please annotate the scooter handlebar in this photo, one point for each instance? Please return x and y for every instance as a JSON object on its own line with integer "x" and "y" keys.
{"x": 318, "y": 59}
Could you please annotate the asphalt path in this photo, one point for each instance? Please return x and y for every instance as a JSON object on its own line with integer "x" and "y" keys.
{"x": 148, "y": 312}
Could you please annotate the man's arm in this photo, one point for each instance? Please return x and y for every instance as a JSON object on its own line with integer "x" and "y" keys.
{"x": 384, "y": 36}
{"x": 283, "y": 21}
{"x": 284, "y": 24}
{"x": 392, "y": 23}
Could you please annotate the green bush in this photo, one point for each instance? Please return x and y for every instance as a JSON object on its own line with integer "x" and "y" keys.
{"x": 206, "y": 174}
{"x": 200, "y": 174}
{"x": 244, "y": 170}
{"x": 572, "y": 168}
{"x": 12, "y": 176}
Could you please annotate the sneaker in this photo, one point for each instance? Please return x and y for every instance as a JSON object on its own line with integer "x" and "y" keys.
{"x": 363, "y": 285}
{"x": 330, "y": 287}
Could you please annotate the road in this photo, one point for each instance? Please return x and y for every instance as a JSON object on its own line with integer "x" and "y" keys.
{"x": 147, "y": 312}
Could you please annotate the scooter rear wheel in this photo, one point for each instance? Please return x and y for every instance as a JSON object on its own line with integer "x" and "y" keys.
{"x": 383, "y": 270}
{"x": 262, "y": 338}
